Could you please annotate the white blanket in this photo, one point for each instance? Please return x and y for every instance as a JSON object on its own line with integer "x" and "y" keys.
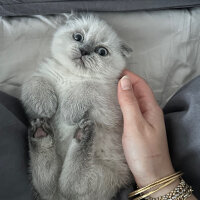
{"x": 165, "y": 46}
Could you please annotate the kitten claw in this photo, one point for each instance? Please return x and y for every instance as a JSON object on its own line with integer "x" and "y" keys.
{"x": 40, "y": 135}
{"x": 84, "y": 123}
{"x": 40, "y": 128}
{"x": 85, "y": 130}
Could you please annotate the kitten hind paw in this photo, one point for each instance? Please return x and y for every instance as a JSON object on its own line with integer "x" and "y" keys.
{"x": 85, "y": 131}
{"x": 40, "y": 134}
{"x": 40, "y": 128}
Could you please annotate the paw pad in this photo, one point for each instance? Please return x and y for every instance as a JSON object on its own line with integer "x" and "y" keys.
{"x": 40, "y": 128}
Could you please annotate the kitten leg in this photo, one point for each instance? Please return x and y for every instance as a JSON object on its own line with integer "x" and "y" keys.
{"x": 81, "y": 176}
{"x": 73, "y": 179}
{"x": 44, "y": 162}
{"x": 39, "y": 98}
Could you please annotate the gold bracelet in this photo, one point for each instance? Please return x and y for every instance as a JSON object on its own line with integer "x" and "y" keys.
{"x": 164, "y": 180}
{"x": 148, "y": 194}
{"x": 181, "y": 192}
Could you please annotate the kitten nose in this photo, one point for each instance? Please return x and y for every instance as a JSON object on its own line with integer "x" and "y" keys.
{"x": 86, "y": 50}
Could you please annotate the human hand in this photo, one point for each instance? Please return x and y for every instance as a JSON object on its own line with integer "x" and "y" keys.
{"x": 144, "y": 136}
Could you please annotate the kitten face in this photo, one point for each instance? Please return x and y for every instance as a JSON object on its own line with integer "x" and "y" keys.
{"x": 87, "y": 45}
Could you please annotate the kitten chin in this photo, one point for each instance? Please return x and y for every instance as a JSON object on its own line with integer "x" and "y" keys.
{"x": 79, "y": 63}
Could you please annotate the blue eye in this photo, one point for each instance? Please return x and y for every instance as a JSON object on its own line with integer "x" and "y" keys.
{"x": 78, "y": 37}
{"x": 102, "y": 51}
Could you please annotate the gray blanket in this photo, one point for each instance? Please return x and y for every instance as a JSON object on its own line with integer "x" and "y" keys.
{"x": 182, "y": 122}
{"x": 14, "y": 181}
{"x": 42, "y": 7}
{"x": 182, "y": 117}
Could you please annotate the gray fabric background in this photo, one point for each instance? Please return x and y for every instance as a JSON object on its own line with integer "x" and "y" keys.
{"x": 182, "y": 117}
{"x": 36, "y": 7}
{"x": 14, "y": 183}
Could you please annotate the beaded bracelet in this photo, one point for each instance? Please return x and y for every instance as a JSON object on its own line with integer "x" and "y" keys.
{"x": 181, "y": 192}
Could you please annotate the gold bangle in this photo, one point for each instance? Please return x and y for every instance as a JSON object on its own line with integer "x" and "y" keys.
{"x": 148, "y": 194}
{"x": 181, "y": 192}
{"x": 162, "y": 182}
{"x": 156, "y": 183}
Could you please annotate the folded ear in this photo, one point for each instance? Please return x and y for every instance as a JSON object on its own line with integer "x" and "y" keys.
{"x": 65, "y": 17}
{"x": 126, "y": 50}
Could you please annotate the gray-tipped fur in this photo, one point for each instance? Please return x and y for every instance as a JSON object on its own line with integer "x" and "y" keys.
{"x": 81, "y": 156}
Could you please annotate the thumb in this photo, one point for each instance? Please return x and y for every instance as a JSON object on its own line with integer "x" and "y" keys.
{"x": 128, "y": 103}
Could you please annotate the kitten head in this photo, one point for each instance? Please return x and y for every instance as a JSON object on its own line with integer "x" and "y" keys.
{"x": 87, "y": 45}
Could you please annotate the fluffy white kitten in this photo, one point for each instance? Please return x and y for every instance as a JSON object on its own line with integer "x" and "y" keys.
{"x": 71, "y": 100}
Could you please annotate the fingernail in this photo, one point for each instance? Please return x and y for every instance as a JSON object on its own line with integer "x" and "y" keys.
{"x": 125, "y": 83}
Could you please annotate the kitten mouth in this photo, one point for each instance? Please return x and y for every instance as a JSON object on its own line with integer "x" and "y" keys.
{"x": 79, "y": 61}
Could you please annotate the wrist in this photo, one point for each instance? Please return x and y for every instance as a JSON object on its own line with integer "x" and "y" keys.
{"x": 150, "y": 177}
{"x": 174, "y": 186}
{"x": 146, "y": 180}
{"x": 146, "y": 176}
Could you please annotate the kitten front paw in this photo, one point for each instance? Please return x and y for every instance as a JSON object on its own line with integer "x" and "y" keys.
{"x": 39, "y": 98}
{"x": 40, "y": 134}
{"x": 85, "y": 131}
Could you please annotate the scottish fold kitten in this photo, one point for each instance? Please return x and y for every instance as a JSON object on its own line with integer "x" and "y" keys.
{"x": 76, "y": 123}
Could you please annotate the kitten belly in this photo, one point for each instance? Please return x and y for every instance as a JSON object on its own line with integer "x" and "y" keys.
{"x": 109, "y": 149}
{"x": 108, "y": 161}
